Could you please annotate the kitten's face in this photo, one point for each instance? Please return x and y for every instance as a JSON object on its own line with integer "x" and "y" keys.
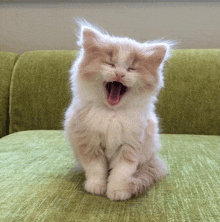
{"x": 121, "y": 70}
{"x": 118, "y": 70}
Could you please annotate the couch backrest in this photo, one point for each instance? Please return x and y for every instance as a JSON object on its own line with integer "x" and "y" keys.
{"x": 7, "y": 61}
{"x": 40, "y": 91}
{"x": 189, "y": 103}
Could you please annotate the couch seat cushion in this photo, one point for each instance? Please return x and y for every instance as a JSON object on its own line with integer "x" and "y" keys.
{"x": 38, "y": 183}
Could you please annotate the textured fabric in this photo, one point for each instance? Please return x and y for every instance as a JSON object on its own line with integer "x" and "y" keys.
{"x": 190, "y": 101}
{"x": 7, "y": 61}
{"x": 37, "y": 183}
{"x": 40, "y": 91}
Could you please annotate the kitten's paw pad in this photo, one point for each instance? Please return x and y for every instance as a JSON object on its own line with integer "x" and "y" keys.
{"x": 95, "y": 187}
{"x": 118, "y": 194}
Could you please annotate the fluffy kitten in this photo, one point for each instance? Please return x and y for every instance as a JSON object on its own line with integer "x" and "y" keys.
{"x": 110, "y": 123}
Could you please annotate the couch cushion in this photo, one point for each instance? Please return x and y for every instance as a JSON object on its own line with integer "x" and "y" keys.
{"x": 38, "y": 184}
{"x": 189, "y": 103}
{"x": 40, "y": 91}
{"x": 7, "y": 61}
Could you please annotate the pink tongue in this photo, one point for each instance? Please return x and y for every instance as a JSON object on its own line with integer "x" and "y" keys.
{"x": 114, "y": 95}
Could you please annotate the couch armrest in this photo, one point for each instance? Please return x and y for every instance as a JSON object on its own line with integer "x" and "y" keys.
{"x": 7, "y": 61}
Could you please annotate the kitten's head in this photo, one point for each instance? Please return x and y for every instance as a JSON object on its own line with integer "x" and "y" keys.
{"x": 117, "y": 71}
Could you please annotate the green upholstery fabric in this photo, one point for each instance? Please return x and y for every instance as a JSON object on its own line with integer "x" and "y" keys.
{"x": 40, "y": 90}
{"x": 7, "y": 61}
{"x": 190, "y": 101}
{"x": 38, "y": 181}
{"x": 38, "y": 184}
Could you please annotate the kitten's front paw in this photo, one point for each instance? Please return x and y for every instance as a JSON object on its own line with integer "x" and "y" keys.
{"x": 95, "y": 186}
{"x": 118, "y": 192}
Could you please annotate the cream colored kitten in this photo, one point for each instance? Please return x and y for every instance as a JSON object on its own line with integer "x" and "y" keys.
{"x": 111, "y": 123}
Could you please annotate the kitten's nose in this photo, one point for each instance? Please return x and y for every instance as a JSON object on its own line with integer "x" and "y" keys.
{"x": 119, "y": 75}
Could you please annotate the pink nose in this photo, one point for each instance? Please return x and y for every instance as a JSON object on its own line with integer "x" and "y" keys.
{"x": 119, "y": 75}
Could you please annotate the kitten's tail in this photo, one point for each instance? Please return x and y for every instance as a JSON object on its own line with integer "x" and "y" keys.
{"x": 147, "y": 174}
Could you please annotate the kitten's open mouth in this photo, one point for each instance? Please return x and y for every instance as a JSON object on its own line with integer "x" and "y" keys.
{"x": 115, "y": 90}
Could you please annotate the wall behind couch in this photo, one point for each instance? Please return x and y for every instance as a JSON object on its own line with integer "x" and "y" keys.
{"x": 51, "y": 26}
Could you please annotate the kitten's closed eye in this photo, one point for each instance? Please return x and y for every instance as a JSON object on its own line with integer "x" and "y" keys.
{"x": 130, "y": 69}
{"x": 110, "y": 64}
{"x": 113, "y": 65}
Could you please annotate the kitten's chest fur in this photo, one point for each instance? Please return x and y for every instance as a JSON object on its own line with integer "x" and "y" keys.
{"x": 114, "y": 128}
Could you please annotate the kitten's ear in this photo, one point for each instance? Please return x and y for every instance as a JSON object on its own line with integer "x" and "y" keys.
{"x": 157, "y": 53}
{"x": 89, "y": 37}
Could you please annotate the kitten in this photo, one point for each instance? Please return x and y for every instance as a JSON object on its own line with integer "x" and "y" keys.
{"x": 111, "y": 124}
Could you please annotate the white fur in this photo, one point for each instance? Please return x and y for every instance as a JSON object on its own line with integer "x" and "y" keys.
{"x": 123, "y": 138}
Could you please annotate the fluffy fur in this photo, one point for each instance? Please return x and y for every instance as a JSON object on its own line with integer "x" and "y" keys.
{"x": 115, "y": 136}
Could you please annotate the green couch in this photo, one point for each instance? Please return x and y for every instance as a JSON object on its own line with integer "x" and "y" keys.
{"x": 38, "y": 181}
